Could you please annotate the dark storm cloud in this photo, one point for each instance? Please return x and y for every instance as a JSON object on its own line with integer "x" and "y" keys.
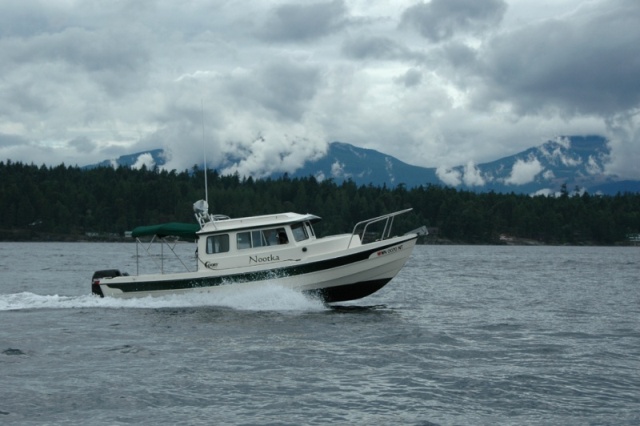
{"x": 283, "y": 88}
{"x": 300, "y": 22}
{"x": 114, "y": 59}
{"x": 459, "y": 55}
{"x": 288, "y": 88}
{"x": 377, "y": 48}
{"x": 23, "y": 18}
{"x": 440, "y": 20}
{"x": 68, "y": 76}
{"x": 588, "y": 64}
{"x": 23, "y": 96}
{"x": 82, "y": 144}
{"x": 411, "y": 78}
{"x": 11, "y": 140}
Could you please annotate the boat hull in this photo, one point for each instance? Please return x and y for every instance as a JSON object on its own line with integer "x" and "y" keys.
{"x": 354, "y": 274}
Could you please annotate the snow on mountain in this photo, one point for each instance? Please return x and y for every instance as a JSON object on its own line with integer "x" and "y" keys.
{"x": 570, "y": 161}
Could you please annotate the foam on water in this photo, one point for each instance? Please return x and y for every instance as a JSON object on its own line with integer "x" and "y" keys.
{"x": 267, "y": 298}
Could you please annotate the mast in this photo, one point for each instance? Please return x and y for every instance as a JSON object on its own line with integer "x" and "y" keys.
{"x": 204, "y": 155}
{"x": 201, "y": 207}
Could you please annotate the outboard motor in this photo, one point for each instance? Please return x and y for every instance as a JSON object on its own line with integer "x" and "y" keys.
{"x": 97, "y": 275}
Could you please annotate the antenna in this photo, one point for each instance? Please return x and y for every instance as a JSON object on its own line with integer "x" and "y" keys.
{"x": 201, "y": 207}
{"x": 204, "y": 154}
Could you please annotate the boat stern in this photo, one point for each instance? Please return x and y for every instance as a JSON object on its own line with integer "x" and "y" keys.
{"x": 98, "y": 275}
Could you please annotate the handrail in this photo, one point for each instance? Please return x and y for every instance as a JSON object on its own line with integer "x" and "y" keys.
{"x": 386, "y": 232}
{"x": 203, "y": 218}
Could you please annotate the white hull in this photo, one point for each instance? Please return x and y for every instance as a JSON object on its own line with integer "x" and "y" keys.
{"x": 354, "y": 273}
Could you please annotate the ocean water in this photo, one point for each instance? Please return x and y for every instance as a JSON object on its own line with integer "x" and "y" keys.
{"x": 464, "y": 335}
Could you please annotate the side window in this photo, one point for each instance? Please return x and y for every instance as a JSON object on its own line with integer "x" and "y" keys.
{"x": 251, "y": 239}
{"x": 270, "y": 236}
{"x": 273, "y": 237}
{"x": 258, "y": 239}
{"x": 218, "y": 244}
{"x": 282, "y": 236}
{"x": 243, "y": 240}
{"x": 299, "y": 232}
{"x": 262, "y": 238}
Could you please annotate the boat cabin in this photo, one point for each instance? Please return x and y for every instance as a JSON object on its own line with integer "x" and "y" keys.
{"x": 258, "y": 242}
{"x": 227, "y": 243}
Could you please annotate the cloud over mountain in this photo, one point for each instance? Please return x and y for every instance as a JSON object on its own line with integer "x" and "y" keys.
{"x": 564, "y": 162}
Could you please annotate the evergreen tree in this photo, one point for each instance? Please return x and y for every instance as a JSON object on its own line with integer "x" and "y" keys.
{"x": 72, "y": 201}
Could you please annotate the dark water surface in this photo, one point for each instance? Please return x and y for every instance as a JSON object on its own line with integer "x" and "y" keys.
{"x": 464, "y": 335}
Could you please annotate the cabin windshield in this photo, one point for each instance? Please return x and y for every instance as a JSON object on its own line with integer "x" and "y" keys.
{"x": 300, "y": 232}
{"x": 310, "y": 229}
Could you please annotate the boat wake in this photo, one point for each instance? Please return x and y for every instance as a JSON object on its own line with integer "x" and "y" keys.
{"x": 267, "y": 298}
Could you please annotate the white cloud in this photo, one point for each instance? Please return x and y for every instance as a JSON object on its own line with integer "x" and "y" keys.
{"x": 593, "y": 167}
{"x": 337, "y": 170}
{"x": 472, "y": 175}
{"x": 524, "y": 172}
{"x": 273, "y": 153}
{"x": 624, "y": 130}
{"x": 440, "y": 20}
{"x": 563, "y": 141}
{"x": 543, "y": 192}
{"x": 144, "y": 160}
{"x": 449, "y": 176}
{"x": 559, "y": 154}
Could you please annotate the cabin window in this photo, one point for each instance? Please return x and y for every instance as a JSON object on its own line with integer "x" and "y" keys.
{"x": 258, "y": 239}
{"x": 243, "y": 239}
{"x": 282, "y": 236}
{"x": 218, "y": 244}
{"x": 261, "y": 238}
{"x": 299, "y": 232}
{"x": 310, "y": 229}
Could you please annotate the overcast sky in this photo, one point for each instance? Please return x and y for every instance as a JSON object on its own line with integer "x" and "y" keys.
{"x": 435, "y": 84}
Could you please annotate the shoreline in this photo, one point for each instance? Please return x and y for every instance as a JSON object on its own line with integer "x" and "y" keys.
{"x": 32, "y": 237}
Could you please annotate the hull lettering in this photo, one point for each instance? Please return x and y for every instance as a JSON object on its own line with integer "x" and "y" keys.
{"x": 264, "y": 259}
{"x": 389, "y": 250}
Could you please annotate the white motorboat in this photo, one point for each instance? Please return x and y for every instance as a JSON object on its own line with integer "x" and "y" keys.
{"x": 279, "y": 249}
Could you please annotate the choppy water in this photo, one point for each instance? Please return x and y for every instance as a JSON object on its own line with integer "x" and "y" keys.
{"x": 464, "y": 335}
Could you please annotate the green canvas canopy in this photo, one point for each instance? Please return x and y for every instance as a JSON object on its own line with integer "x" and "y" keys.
{"x": 176, "y": 229}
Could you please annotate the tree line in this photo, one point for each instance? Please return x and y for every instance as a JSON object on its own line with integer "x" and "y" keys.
{"x": 39, "y": 202}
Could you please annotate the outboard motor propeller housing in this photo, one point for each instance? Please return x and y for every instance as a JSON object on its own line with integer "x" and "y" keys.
{"x": 97, "y": 275}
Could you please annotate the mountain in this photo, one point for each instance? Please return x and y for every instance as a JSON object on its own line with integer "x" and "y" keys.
{"x": 573, "y": 161}
{"x": 562, "y": 164}
{"x": 366, "y": 166}
{"x": 150, "y": 159}
{"x": 565, "y": 163}
{"x": 569, "y": 162}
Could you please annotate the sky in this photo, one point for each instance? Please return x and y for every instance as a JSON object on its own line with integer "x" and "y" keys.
{"x": 269, "y": 84}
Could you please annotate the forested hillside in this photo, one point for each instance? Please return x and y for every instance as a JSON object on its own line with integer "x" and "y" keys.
{"x": 55, "y": 202}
